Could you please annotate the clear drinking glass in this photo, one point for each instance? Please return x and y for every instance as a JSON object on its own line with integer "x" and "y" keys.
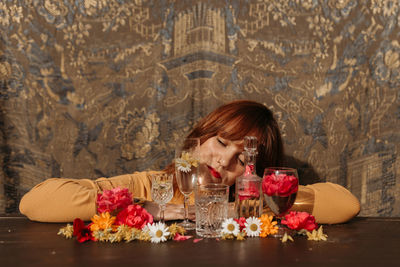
{"x": 186, "y": 170}
{"x": 280, "y": 186}
{"x": 211, "y": 209}
{"x": 161, "y": 190}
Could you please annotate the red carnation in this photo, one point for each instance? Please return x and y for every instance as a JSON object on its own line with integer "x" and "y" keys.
{"x": 269, "y": 185}
{"x": 288, "y": 186}
{"x": 134, "y": 216}
{"x": 281, "y": 185}
{"x": 241, "y": 221}
{"x": 82, "y": 232}
{"x": 300, "y": 220}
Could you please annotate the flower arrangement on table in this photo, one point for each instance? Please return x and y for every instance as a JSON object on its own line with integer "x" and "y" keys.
{"x": 118, "y": 219}
{"x": 302, "y": 223}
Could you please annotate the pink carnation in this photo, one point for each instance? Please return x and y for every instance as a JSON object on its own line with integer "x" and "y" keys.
{"x": 134, "y": 216}
{"x": 300, "y": 220}
{"x": 114, "y": 199}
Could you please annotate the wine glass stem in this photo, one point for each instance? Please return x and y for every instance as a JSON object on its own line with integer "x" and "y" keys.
{"x": 162, "y": 209}
{"x": 186, "y": 207}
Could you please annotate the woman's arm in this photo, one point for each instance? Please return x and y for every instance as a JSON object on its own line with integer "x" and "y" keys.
{"x": 60, "y": 200}
{"x": 63, "y": 200}
{"x": 329, "y": 203}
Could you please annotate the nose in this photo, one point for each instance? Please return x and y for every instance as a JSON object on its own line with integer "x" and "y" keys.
{"x": 226, "y": 159}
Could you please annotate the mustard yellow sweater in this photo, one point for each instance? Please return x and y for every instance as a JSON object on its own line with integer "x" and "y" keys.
{"x": 63, "y": 200}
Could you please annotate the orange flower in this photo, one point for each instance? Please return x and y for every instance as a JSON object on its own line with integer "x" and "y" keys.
{"x": 102, "y": 222}
{"x": 268, "y": 227}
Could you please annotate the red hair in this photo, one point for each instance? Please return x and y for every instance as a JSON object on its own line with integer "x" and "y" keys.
{"x": 237, "y": 119}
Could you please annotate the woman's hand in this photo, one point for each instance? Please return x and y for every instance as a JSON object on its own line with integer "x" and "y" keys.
{"x": 172, "y": 211}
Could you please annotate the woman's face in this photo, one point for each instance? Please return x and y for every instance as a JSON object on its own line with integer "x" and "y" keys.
{"x": 222, "y": 160}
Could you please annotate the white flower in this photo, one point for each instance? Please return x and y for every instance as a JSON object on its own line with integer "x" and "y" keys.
{"x": 229, "y": 226}
{"x": 158, "y": 232}
{"x": 253, "y": 226}
{"x": 183, "y": 165}
{"x": 186, "y": 161}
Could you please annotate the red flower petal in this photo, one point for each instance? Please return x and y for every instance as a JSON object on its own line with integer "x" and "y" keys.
{"x": 179, "y": 237}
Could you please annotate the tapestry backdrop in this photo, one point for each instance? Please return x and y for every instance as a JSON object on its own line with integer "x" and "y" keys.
{"x": 101, "y": 88}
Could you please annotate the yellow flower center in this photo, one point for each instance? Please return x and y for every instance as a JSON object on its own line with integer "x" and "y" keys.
{"x": 231, "y": 227}
{"x": 159, "y": 233}
{"x": 253, "y": 227}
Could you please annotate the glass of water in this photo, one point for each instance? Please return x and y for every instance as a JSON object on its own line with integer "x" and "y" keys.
{"x": 161, "y": 190}
{"x": 211, "y": 209}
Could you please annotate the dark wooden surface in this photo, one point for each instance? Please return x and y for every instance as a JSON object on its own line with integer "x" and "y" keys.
{"x": 360, "y": 242}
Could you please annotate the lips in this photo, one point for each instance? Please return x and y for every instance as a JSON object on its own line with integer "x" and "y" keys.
{"x": 214, "y": 172}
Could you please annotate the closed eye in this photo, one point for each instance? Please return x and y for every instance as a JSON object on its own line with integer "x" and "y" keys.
{"x": 241, "y": 160}
{"x": 220, "y": 142}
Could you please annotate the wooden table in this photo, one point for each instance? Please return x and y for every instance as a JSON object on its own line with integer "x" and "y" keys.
{"x": 360, "y": 242}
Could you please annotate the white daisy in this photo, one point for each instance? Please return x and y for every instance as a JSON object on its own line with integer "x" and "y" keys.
{"x": 183, "y": 165}
{"x": 186, "y": 161}
{"x": 158, "y": 232}
{"x": 229, "y": 226}
{"x": 253, "y": 226}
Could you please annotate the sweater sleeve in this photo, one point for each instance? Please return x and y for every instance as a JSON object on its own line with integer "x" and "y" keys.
{"x": 60, "y": 200}
{"x": 329, "y": 203}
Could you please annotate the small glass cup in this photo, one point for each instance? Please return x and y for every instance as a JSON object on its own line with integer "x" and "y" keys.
{"x": 162, "y": 190}
{"x": 211, "y": 202}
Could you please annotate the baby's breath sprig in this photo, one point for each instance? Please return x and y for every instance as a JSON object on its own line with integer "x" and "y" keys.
{"x": 174, "y": 229}
{"x": 317, "y": 235}
{"x": 66, "y": 231}
{"x": 240, "y": 236}
{"x": 127, "y": 233}
{"x": 286, "y": 237}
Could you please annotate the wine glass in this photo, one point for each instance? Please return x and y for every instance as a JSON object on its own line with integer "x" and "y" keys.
{"x": 280, "y": 186}
{"x": 186, "y": 170}
{"x": 161, "y": 190}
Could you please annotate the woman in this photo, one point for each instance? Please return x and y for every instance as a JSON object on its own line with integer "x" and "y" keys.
{"x": 221, "y": 136}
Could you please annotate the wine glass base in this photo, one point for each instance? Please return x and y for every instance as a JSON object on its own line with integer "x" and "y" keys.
{"x": 282, "y": 231}
{"x": 187, "y": 225}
